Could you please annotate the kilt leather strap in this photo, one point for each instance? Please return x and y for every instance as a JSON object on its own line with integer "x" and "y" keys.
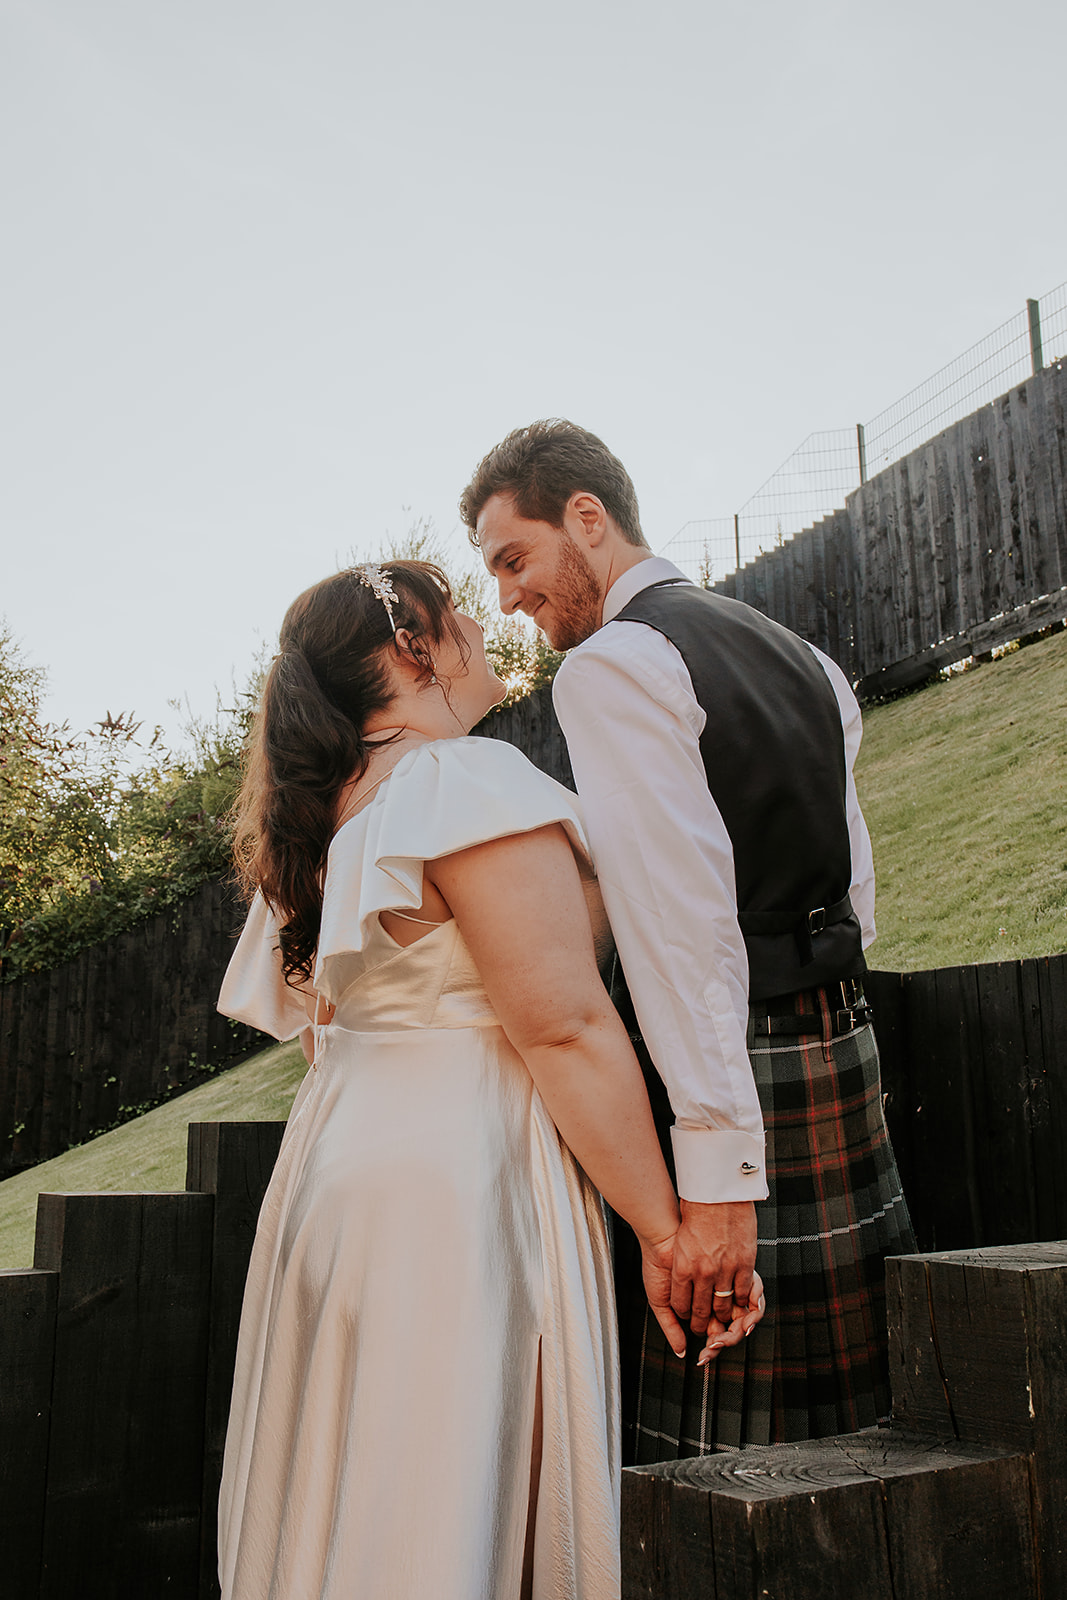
{"x": 802, "y": 1023}
{"x": 771, "y": 1019}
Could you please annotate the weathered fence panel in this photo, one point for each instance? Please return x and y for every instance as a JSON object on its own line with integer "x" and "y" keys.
{"x": 233, "y": 1162}
{"x": 125, "y": 1455}
{"x": 27, "y": 1344}
{"x": 121, "y": 1025}
{"x": 954, "y": 549}
{"x": 531, "y": 724}
{"x": 116, "y": 1361}
{"x": 974, "y": 1067}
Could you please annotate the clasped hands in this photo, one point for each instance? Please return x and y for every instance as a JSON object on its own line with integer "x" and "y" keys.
{"x": 705, "y": 1275}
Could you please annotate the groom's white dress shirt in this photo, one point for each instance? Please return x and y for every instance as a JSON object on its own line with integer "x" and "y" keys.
{"x": 625, "y": 702}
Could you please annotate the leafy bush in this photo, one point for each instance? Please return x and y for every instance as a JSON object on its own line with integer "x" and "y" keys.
{"x": 87, "y": 847}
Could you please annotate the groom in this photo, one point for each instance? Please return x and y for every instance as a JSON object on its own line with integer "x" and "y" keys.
{"x": 713, "y": 752}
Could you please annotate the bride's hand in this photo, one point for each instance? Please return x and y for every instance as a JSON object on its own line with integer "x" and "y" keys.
{"x": 656, "y": 1259}
{"x": 741, "y": 1322}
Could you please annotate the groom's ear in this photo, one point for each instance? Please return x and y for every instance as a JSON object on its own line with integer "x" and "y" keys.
{"x": 585, "y": 518}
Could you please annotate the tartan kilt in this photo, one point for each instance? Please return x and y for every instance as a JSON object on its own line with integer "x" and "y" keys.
{"x": 817, "y": 1363}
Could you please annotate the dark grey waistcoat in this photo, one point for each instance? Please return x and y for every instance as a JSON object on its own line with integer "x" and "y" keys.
{"x": 773, "y": 750}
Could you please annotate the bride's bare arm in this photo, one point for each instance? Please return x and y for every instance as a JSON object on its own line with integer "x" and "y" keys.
{"x": 519, "y": 905}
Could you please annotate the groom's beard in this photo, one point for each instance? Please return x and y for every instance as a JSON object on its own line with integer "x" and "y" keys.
{"x": 574, "y": 603}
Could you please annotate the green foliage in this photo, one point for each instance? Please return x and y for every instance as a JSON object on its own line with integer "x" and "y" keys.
{"x": 52, "y": 831}
{"x": 88, "y": 847}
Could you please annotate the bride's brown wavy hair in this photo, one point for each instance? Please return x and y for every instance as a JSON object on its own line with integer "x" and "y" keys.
{"x": 330, "y": 674}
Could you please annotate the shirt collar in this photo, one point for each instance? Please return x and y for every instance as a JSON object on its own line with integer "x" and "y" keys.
{"x": 642, "y": 575}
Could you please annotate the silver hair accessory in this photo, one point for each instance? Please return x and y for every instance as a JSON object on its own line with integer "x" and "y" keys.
{"x": 381, "y": 586}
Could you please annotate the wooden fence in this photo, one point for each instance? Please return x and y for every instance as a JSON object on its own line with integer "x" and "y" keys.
{"x": 955, "y": 549}
{"x": 974, "y": 1067}
{"x": 116, "y": 1350}
{"x": 532, "y": 725}
{"x": 119, "y": 1027}
{"x": 117, "y": 1354}
{"x": 958, "y": 547}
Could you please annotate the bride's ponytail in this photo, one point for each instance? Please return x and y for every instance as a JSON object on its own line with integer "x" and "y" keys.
{"x": 330, "y": 675}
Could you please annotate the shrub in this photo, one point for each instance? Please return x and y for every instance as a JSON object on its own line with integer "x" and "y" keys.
{"x": 87, "y": 847}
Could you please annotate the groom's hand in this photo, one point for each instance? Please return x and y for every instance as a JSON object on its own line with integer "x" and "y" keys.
{"x": 714, "y": 1255}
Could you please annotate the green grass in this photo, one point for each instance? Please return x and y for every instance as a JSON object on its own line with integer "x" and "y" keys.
{"x": 149, "y": 1153}
{"x": 963, "y": 787}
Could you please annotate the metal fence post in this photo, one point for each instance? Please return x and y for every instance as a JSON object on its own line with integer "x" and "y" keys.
{"x": 1034, "y": 311}
{"x": 861, "y": 445}
{"x": 737, "y": 541}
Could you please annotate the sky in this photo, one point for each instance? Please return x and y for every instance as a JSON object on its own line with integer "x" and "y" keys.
{"x": 277, "y": 273}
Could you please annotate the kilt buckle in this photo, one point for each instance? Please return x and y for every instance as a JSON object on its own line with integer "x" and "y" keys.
{"x": 845, "y": 1002}
{"x": 853, "y": 1017}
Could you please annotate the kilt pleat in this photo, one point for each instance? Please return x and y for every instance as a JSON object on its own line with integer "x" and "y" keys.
{"x": 817, "y": 1363}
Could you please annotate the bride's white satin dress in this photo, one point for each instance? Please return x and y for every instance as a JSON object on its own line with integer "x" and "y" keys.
{"x": 425, "y": 1235}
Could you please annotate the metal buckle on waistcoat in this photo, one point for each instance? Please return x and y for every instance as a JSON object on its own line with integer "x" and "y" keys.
{"x": 852, "y": 992}
{"x": 816, "y": 920}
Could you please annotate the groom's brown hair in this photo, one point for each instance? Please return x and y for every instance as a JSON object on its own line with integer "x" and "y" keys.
{"x": 541, "y": 466}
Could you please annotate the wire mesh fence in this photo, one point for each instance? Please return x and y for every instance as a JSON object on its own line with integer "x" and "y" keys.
{"x": 814, "y": 481}
{"x": 706, "y": 550}
{"x": 1054, "y": 325}
{"x": 809, "y": 484}
{"x": 996, "y": 363}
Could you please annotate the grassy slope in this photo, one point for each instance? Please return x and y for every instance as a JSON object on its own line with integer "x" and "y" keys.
{"x": 963, "y": 787}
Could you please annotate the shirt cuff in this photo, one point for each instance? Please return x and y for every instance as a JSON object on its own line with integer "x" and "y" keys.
{"x": 713, "y": 1165}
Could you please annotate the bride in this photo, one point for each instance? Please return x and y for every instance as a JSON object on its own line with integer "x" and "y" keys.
{"x": 425, "y": 1396}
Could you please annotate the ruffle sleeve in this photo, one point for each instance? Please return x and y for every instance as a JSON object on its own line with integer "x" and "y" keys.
{"x": 254, "y": 990}
{"x": 441, "y": 797}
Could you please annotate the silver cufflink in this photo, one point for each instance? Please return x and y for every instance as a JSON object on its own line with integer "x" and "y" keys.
{"x": 747, "y": 1168}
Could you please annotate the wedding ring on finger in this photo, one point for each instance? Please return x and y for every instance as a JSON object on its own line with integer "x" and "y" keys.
{"x": 723, "y": 1294}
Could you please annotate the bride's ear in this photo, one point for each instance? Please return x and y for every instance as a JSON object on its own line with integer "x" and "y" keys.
{"x": 413, "y": 653}
{"x": 405, "y": 647}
